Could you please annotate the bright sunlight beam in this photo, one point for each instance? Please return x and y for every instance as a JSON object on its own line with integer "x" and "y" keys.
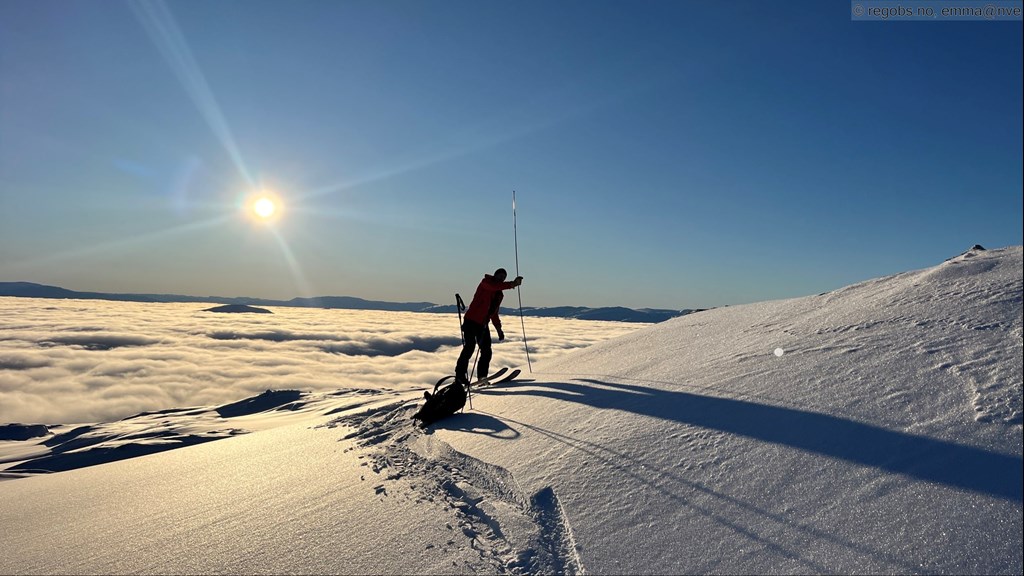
{"x": 298, "y": 276}
{"x": 159, "y": 23}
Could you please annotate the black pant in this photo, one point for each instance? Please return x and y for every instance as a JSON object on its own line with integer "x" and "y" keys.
{"x": 474, "y": 334}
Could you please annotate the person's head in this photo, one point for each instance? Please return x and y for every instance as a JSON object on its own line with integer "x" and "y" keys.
{"x": 500, "y": 274}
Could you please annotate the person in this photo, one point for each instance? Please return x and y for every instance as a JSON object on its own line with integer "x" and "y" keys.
{"x": 483, "y": 310}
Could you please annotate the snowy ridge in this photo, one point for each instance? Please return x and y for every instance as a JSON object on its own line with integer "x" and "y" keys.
{"x": 974, "y": 344}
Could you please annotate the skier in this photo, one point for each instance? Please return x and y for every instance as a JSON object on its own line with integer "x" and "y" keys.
{"x": 482, "y": 310}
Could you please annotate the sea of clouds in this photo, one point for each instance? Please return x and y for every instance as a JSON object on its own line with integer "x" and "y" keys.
{"x": 78, "y": 361}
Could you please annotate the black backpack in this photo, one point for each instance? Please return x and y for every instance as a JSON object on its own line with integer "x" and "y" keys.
{"x": 444, "y": 401}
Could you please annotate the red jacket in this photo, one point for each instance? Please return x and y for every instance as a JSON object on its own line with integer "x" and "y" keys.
{"x": 487, "y": 301}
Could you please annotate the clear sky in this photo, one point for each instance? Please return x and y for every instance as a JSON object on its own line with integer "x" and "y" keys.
{"x": 664, "y": 154}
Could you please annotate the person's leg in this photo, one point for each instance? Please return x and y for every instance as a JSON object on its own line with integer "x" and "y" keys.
{"x": 469, "y": 334}
{"x": 484, "y": 340}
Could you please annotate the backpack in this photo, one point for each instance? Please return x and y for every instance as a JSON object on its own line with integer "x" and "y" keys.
{"x": 444, "y": 401}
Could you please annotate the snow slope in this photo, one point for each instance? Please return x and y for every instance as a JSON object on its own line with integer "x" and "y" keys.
{"x": 873, "y": 429}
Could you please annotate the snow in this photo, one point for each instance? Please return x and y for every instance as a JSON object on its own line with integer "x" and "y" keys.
{"x": 886, "y": 438}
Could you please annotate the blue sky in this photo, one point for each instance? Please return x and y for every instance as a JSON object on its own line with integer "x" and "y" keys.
{"x": 664, "y": 154}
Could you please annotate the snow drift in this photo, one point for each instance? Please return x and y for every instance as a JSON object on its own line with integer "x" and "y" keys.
{"x": 873, "y": 429}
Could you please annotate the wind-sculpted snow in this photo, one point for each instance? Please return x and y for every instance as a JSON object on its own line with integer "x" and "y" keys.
{"x": 76, "y": 361}
{"x": 44, "y": 450}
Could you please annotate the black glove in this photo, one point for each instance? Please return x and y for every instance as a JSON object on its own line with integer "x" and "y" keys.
{"x": 501, "y": 335}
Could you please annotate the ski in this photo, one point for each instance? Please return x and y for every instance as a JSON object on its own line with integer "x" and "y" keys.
{"x": 502, "y": 379}
{"x": 488, "y": 379}
{"x": 509, "y": 377}
{"x": 492, "y": 379}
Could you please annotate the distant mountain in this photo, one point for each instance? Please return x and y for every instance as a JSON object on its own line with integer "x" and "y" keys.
{"x": 617, "y": 314}
{"x": 238, "y": 309}
{"x": 609, "y": 314}
{"x": 352, "y": 303}
{"x": 30, "y": 290}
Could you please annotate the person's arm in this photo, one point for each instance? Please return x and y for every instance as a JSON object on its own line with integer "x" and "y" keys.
{"x": 497, "y": 325}
{"x": 494, "y": 317}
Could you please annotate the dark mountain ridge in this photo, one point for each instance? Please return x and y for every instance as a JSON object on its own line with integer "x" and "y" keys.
{"x": 616, "y": 313}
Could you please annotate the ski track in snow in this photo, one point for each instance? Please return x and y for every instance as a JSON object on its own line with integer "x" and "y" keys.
{"x": 513, "y": 533}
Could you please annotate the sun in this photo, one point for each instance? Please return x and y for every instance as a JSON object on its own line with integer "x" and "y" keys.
{"x": 264, "y": 207}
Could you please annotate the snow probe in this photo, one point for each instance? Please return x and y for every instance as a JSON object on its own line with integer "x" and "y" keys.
{"x": 515, "y": 236}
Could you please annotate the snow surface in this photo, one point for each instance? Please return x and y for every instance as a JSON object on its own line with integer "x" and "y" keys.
{"x": 886, "y": 438}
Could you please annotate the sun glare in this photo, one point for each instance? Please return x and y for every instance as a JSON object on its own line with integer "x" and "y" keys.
{"x": 264, "y": 208}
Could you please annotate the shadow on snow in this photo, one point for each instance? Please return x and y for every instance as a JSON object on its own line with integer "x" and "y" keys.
{"x": 477, "y": 423}
{"x": 920, "y": 457}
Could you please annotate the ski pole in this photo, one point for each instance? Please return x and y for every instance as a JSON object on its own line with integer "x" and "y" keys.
{"x": 515, "y": 235}
{"x": 460, "y": 306}
{"x": 469, "y": 386}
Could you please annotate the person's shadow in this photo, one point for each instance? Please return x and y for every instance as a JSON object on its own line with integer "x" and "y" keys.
{"x": 920, "y": 457}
